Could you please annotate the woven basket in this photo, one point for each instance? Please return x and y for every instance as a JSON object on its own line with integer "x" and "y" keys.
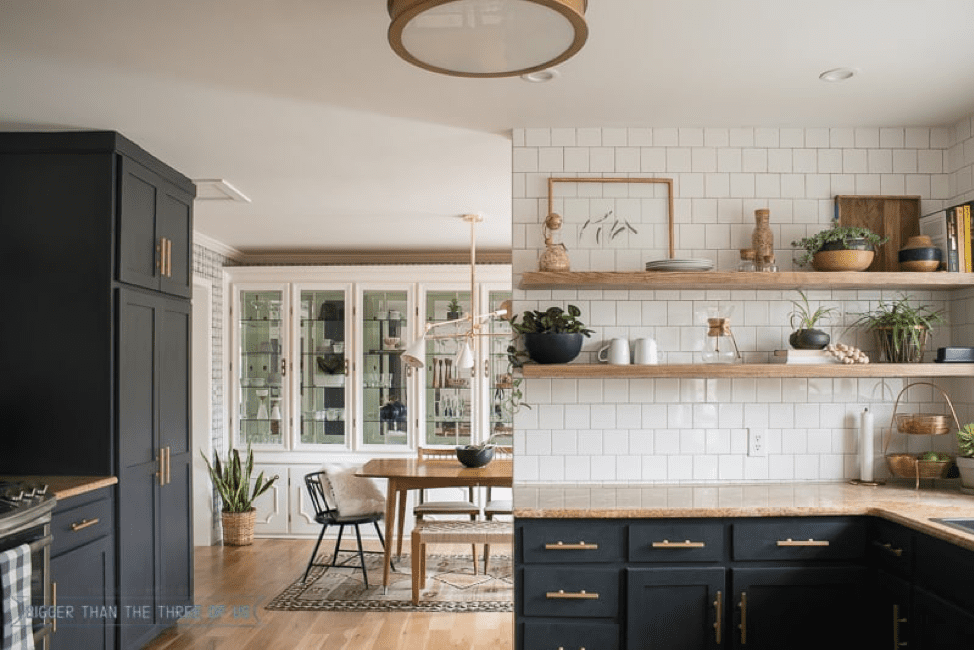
{"x": 238, "y": 528}
{"x": 909, "y": 465}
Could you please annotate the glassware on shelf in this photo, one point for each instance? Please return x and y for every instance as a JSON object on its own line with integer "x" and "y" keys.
{"x": 767, "y": 264}
{"x": 262, "y": 409}
{"x": 719, "y": 345}
{"x": 747, "y": 263}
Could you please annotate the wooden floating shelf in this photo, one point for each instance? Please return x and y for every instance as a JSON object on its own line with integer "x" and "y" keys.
{"x": 649, "y": 280}
{"x": 746, "y": 370}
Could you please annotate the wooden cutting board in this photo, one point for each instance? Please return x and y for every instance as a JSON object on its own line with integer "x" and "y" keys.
{"x": 895, "y": 217}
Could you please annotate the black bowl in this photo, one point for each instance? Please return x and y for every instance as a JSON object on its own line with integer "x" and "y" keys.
{"x": 552, "y": 348}
{"x": 922, "y": 254}
{"x": 475, "y": 456}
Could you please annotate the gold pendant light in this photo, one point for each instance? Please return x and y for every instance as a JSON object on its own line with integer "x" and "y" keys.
{"x": 487, "y": 38}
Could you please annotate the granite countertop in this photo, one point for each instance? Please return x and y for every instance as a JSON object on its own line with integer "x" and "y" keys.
{"x": 897, "y": 502}
{"x": 64, "y": 487}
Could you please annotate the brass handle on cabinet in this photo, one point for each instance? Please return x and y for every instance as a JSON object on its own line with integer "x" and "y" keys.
{"x": 54, "y": 607}
{"x": 718, "y": 617}
{"x": 897, "y": 552}
{"x": 84, "y": 523}
{"x": 283, "y": 367}
{"x": 562, "y": 546}
{"x": 743, "y": 625}
{"x": 896, "y": 628}
{"x": 809, "y": 542}
{"x": 561, "y": 594}
{"x": 684, "y": 544}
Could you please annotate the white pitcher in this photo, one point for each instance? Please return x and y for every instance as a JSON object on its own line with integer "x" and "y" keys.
{"x": 615, "y": 352}
{"x": 645, "y": 353}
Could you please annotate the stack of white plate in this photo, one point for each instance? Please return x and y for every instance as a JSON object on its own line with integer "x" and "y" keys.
{"x": 680, "y": 265}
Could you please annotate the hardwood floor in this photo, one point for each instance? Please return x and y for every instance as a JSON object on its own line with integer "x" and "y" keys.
{"x": 242, "y": 579}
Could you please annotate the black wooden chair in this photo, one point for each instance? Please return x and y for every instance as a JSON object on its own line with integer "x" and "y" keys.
{"x": 327, "y": 514}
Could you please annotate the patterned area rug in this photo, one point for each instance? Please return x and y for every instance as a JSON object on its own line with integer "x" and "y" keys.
{"x": 451, "y": 586}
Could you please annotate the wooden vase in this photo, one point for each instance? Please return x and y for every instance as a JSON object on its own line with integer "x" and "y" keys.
{"x": 762, "y": 238}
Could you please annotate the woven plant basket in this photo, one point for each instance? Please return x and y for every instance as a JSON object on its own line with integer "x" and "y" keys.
{"x": 238, "y": 528}
{"x": 909, "y": 465}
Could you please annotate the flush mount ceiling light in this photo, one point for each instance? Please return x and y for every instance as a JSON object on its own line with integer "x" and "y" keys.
{"x": 487, "y": 38}
{"x": 837, "y": 74}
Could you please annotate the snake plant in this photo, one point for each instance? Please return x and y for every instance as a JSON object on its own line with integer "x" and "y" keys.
{"x": 232, "y": 481}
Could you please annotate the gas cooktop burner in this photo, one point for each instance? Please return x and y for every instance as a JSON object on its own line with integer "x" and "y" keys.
{"x": 22, "y": 502}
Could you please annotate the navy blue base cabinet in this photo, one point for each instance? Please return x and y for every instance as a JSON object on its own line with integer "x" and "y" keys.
{"x": 741, "y": 583}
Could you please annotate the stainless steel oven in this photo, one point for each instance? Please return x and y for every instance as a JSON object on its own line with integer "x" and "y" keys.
{"x": 25, "y": 518}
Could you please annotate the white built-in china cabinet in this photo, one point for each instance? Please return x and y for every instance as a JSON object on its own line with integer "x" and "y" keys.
{"x": 315, "y": 373}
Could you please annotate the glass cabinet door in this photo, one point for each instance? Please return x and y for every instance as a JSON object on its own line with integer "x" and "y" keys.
{"x": 261, "y": 367}
{"x": 385, "y": 398}
{"x": 449, "y": 394}
{"x": 500, "y": 378}
{"x": 324, "y": 367}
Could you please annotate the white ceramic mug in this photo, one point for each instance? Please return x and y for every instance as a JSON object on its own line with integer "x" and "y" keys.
{"x": 645, "y": 353}
{"x": 615, "y": 352}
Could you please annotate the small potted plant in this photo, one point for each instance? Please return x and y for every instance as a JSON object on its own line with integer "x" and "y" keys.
{"x": 453, "y": 309}
{"x": 232, "y": 482}
{"x": 901, "y": 330}
{"x": 965, "y": 461}
{"x": 839, "y": 248}
{"x": 806, "y": 336}
{"x": 553, "y": 335}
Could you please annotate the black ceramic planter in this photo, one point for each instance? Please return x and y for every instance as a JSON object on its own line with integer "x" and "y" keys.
{"x": 809, "y": 339}
{"x": 552, "y": 348}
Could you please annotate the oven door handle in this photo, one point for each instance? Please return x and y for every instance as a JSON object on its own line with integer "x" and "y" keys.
{"x": 40, "y": 543}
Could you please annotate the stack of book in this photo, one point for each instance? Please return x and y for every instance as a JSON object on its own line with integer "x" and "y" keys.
{"x": 950, "y": 230}
{"x": 803, "y": 356}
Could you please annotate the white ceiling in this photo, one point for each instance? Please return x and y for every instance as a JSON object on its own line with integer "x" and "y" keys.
{"x": 342, "y": 146}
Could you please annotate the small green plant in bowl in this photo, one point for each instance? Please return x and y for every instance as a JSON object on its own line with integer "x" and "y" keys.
{"x": 803, "y": 320}
{"x": 551, "y": 336}
{"x": 965, "y": 462}
{"x": 837, "y": 238}
{"x": 901, "y": 329}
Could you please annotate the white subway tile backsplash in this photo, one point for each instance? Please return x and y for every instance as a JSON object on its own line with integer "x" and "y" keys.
{"x": 669, "y": 430}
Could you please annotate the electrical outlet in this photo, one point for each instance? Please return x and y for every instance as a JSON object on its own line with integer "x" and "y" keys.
{"x": 757, "y": 442}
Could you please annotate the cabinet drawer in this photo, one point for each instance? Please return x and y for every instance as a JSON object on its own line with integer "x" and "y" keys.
{"x": 799, "y": 538}
{"x": 676, "y": 541}
{"x": 890, "y": 546}
{"x": 573, "y": 541}
{"x": 594, "y": 635}
{"x": 73, "y": 525}
{"x": 574, "y": 592}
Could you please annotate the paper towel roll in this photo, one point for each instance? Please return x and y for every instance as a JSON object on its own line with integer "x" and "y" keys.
{"x": 866, "y": 446}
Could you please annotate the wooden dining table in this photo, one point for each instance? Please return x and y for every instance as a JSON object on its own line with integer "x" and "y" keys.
{"x": 406, "y": 474}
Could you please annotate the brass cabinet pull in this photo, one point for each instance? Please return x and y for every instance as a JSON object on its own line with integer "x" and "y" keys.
{"x": 718, "y": 617}
{"x": 562, "y": 546}
{"x": 684, "y": 544}
{"x": 561, "y": 594}
{"x": 896, "y": 628}
{"x": 896, "y": 552}
{"x": 808, "y": 542}
{"x": 283, "y": 367}
{"x": 84, "y": 523}
{"x": 743, "y": 626}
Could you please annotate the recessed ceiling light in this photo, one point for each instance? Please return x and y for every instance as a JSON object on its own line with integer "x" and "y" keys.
{"x": 217, "y": 189}
{"x": 837, "y": 74}
{"x": 541, "y": 76}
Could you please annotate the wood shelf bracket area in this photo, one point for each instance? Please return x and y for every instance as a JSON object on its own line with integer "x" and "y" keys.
{"x": 649, "y": 280}
{"x": 746, "y": 370}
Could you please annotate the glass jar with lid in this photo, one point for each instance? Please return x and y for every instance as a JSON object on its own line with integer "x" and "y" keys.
{"x": 747, "y": 264}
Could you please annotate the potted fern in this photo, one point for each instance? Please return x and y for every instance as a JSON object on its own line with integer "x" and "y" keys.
{"x": 232, "y": 481}
{"x": 965, "y": 461}
{"x": 901, "y": 330}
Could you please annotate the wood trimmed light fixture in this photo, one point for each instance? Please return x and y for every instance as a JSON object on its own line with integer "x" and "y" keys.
{"x": 487, "y": 38}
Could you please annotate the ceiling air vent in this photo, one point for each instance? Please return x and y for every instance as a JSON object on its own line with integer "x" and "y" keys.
{"x": 217, "y": 189}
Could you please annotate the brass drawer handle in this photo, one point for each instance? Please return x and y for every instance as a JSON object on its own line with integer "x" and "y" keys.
{"x": 718, "y": 617}
{"x": 561, "y": 594}
{"x": 809, "y": 542}
{"x": 743, "y": 624}
{"x": 684, "y": 544}
{"x": 896, "y": 627}
{"x": 84, "y": 523}
{"x": 896, "y": 552}
{"x": 562, "y": 546}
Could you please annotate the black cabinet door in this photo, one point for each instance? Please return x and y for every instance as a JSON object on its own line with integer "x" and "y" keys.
{"x": 675, "y": 609}
{"x": 801, "y": 608}
{"x": 175, "y": 224}
{"x": 85, "y": 587}
{"x": 139, "y": 248}
{"x": 940, "y": 624}
{"x": 892, "y": 620}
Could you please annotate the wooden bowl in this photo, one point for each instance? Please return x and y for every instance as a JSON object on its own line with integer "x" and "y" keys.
{"x": 920, "y": 266}
{"x": 844, "y": 260}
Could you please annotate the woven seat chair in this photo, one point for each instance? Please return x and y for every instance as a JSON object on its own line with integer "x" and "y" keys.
{"x": 423, "y": 508}
{"x": 327, "y": 514}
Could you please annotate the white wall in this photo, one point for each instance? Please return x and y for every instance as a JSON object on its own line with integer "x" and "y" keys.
{"x": 687, "y": 430}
